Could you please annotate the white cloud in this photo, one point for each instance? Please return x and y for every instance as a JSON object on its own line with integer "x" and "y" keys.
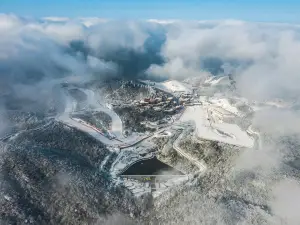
{"x": 37, "y": 54}
{"x": 56, "y": 19}
{"x": 65, "y": 32}
{"x": 176, "y": 69}
{"x": 105, "y": 37}
{"x": 285, "y": 202}
{"x": 9, "y": 21}
{"x": 91, "y": 21}
{"x": 162, "y": 21}
{"x": 255, "y": 51}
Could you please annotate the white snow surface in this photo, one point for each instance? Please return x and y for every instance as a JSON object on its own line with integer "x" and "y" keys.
{"x": 223, "y": 132}
{"x": 224, "y": 103}
{"x": 174, "y": 86}
{"x": 116, "y": 126}
{"x": 216, "y": 80}
{"x": 169, "y": 86}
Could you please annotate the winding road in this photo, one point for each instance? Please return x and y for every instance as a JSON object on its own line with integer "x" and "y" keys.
{"x": 116, "y": 129}
{"x": 202, "y": 167}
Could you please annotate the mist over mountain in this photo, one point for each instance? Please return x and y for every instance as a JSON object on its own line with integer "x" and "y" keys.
{"x": 38, "y": 51}
{"x": 37, "y": 56}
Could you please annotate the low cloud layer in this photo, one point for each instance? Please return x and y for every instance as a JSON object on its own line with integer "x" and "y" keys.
{"x": 84, "y": 47}
{"x": 37, "y": 55}
{"x": 263, "y": 57}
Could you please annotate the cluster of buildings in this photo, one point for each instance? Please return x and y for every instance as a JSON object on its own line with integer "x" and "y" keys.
{"x": 155, "y": 101}
{"x": 160, "y": 101}
{"x": 167, "y": 104}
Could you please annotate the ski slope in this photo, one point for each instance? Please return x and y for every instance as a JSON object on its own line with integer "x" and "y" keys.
{"x": 222, "y": 132}
{"x": 169, "y": 86}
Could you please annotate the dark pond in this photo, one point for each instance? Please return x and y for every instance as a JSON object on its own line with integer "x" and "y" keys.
{"x": 151, "y": 167}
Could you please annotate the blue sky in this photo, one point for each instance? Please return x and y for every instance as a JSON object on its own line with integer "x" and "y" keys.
{"x": 253, "y": 10}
